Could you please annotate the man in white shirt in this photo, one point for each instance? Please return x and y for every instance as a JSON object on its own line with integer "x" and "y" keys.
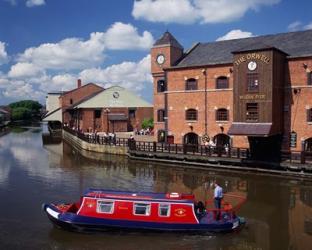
{"x": 218, "y": 196}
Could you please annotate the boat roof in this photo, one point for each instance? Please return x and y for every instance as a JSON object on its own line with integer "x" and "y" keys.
{"x": 144, "y": 196}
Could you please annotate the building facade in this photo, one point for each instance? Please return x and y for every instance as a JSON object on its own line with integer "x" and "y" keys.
{"x": 114, "y": 109}
{"x": 253, "y": 92}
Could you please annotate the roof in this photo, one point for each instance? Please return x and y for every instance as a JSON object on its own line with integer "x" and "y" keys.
{"x": 129, "y": 195}
{"x": 295, "y": 44}
{"x": 167, "y": 39}
{"x": 3, "y": 111}
{"x": 250, "y": 129}
{"x": 55, "y": 115}
{"x": 83, "y": 86}
{"x": 114, "y": 97}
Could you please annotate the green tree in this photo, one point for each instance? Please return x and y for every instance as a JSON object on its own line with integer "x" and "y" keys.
{"x": 34, "y": 106}
{"x": 25, "y": 110}
{"x": 148, "y": 123}
{"x": 21, "y": 113}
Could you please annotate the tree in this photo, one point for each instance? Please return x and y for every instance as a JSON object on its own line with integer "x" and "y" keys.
{"x": 21, "y": 113}
{"x": 148, "y": 123}
{"x": 25, "y": 110}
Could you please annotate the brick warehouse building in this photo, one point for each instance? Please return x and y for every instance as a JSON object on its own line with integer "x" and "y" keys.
{"x": 252, "y": 92}
{"x": 114, "y": 109}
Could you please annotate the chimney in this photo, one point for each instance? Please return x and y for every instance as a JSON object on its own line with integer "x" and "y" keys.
{"x": 78, "y": 83}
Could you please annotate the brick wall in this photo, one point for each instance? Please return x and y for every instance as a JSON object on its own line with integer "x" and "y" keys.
{"x": 295, "y": 105}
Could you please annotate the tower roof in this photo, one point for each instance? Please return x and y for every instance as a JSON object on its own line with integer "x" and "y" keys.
{"x": 168, "y": 39}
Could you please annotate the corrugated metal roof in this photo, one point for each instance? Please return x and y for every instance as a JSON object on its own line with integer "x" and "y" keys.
{"x": 114, "y": 97}
{"x": 295, "y": 44}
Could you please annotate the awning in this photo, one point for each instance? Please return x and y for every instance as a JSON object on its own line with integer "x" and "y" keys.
{"x": 55, "y": 115}
{"x": 117, "y": 117}
{"x": 250, "y": 129}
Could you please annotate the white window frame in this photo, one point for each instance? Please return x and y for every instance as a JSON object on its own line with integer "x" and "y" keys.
{"x": 168, "y": 211}
{"x": 147, "y": 211}
{"x": 98, "y": 210}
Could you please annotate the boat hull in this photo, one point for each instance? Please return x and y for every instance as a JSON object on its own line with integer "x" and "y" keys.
{"x": 74, "y": 222}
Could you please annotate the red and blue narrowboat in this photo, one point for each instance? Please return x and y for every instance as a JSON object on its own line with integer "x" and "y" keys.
{"x": 100, "y": 209}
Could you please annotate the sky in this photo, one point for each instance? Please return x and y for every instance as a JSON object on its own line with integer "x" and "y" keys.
{"x": 46, "y": 45}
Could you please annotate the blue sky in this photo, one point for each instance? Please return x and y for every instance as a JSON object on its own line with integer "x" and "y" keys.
{"x": 45, "y": 45}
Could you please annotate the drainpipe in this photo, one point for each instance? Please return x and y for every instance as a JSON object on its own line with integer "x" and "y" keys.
{"x": 204, "y": 71}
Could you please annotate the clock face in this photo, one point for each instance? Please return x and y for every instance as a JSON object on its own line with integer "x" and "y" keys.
{"x": 252, "y": 65}
{"x": 160, "y": 59}
{"x": 116, "y": 95}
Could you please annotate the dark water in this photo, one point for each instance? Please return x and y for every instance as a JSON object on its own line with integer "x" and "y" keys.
{"x": 36, "y": 169}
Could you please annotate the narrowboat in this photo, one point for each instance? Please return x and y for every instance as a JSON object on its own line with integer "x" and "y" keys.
{"x": 100, "y": 209}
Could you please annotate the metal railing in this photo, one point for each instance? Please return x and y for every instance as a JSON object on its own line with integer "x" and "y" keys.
{"x": 297, "y": 157}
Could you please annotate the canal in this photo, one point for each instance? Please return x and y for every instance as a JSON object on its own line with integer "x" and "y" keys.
{"x": 35, "y": 168}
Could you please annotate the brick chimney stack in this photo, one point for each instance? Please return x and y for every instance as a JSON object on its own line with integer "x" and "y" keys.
{"x": 78, "y": 83}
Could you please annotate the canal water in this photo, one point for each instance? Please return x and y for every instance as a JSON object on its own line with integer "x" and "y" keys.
{"x": 36, "y": 168}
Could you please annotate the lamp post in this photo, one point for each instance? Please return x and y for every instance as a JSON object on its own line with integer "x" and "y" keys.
{"x": 107, "y": 125}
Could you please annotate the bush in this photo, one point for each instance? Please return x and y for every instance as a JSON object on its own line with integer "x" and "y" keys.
{"x": 148, "y": 123}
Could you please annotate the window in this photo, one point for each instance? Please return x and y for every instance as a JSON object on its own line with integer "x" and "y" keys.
{"x": 252, "y": 82}
{"x": 191, "y": 84}
{"x": 131, "y": 113}
{"x": 106, "y": 207}
{"x": 71, "y": 101}
{"x": 161, "y": 86}
{"x": 309, "y": 76}
{"x": 161, "y": 115}
{"x": 222, "y": 115}
{"x": 222, "y": 82}
{"x": 309, "y": 115}
{"x": 191, "y": 115}
{"x": 97, "y": 113}
{"x": 252, "y": 112}
{"x": 164, "y": 210}
{"x": 142, "y": 209}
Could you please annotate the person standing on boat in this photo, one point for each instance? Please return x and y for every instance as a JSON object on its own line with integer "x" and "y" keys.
{"x": 218, "y": 196}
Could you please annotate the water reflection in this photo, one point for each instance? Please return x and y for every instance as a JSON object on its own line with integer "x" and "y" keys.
{"x": 35, "y": 169}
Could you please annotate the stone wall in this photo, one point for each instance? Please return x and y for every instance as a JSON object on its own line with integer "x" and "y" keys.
{"x": 80, "y": 144}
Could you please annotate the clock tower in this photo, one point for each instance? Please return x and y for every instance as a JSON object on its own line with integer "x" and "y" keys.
{"x": 165, "y": 53}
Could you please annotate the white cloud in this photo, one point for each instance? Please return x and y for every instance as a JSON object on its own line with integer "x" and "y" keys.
{"x": 131, "y": 75}
{"x": 3, "y": 53}
{"x": 70, "y": 53}
{"x": 308, "y": 26}
{"x": 75, "y": 53}
{"x": 190, "y": 11}
{"x": 21, "y": 70}
{"x": 235, "y": 34}
{"x": 295, "y": 26}
{"x": 33, "y": 3}
{"x": 168, "y": 11}
{"x": 125, "y": 36}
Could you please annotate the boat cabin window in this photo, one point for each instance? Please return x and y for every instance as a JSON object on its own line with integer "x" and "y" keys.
{"x": 164, "y": 210}
{"x": 106, "y": 207}
{"x": 142, "y": 209}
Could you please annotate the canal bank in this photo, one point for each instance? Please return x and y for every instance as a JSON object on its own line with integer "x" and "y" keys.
{"x": 236, "y": 160}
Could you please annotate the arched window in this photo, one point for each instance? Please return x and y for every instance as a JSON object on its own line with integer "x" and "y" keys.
{"x": 222, "y": 115}
{"x": 309, "y": 76}
{"x": 191, "y": 138}
{"x": 161, "y": 85}
{"x": 308, "y": 145}
{"x": 222, "y": 82}
{"x": 161, "y": 136}
{"x": 309, "y": 115}
{"x": 161, "y": 115}
{"x": 191, "y": 115}
{"x": 191, "y": 84}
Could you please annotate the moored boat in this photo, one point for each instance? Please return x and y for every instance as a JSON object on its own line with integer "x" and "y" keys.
{"x": 100, "y": 209}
